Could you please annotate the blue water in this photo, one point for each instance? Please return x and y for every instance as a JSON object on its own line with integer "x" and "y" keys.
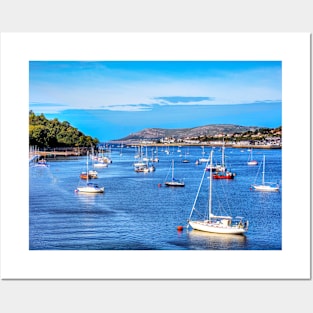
{"x": 135, "y": 213}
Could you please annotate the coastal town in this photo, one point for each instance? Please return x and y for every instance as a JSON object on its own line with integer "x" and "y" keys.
{"x": 259, "y": 138}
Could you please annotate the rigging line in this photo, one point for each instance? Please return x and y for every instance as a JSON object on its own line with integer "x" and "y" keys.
{"x": 257, "y": 174}
{"x": 228, "y": 211}
{"x": 199, "y": 188}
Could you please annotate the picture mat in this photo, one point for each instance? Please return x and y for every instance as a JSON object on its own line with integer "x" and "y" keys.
{"x": 18, "y": 262}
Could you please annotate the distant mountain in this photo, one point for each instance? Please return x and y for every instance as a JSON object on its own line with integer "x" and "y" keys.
{"x": 179, "y": 133}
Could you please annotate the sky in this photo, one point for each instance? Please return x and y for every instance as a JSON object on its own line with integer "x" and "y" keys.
{"x": 112, "y": 99}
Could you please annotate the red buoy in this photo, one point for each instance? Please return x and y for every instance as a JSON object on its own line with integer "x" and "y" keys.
{"x": 159, "y": 185}
{"x": 180, "y": 228}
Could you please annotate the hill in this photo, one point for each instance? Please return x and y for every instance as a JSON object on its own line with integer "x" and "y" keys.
{"x": 182, "y": 133}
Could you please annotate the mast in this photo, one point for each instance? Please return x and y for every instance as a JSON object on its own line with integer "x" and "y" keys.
{"x": 197, "y": 195}
{"x": 87, "y": 168}
{"x": 210, "y": 192}
{"x": 263, "y": 173}
{"x": 172, "y": 170}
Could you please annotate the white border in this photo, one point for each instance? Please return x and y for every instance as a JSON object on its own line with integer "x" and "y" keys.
{"x": 17, "y": 262}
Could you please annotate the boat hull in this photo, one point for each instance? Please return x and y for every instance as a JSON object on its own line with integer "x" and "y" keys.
{"x": 224, "y": 176}
{"x": 252, "y": 163}
{"x": 216, "y": 228}
{"x": 100, "y": 165}
{"x": 174, "y": 184}
{"x": 90, "y": 190}
{"x": 265, "y": 188}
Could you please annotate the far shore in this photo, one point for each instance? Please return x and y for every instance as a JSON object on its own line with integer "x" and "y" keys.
{"x": 176, "y": 144}
{"x": 74, "y": 151}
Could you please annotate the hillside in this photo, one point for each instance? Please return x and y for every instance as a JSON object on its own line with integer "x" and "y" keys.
{"x": 180, "y": 133}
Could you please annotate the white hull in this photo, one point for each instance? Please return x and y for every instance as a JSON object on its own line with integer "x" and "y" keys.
{"x": 265, "y": 188}
{"x": 90, "y": 189}
{"x": 216, "y": 228}
{"x": 253, "y": 163}
{"x": 175, "y": 184}
{"x": 100, "y": 165}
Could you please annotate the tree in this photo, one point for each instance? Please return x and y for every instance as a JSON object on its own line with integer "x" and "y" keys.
{"x": 46, "y": 133}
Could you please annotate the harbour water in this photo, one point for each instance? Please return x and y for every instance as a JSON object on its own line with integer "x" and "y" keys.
{"x": 138, "y": 212}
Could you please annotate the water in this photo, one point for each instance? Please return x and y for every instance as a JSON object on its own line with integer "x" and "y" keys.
{"x": 135, "y": 213}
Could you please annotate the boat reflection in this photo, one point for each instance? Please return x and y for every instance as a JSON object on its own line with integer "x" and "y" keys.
{"x": 88, "y": 198}
{"x": 203, "y": 241}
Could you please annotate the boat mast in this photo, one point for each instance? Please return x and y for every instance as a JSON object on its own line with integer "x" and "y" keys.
{"x": 210, "y": 192}
{"x": 263, "y": 173}
{"x": 87, "y": 168}
{"x": 198, "y": 192}
{"x": 172, "y": 170}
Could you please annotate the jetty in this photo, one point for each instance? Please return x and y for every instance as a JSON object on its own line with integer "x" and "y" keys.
{"x": 36, "y": 153}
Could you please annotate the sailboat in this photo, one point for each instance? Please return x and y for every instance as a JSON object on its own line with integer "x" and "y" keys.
{"x": 251, "y": 161}
{"x": 203, "y": 159}
{"x": 265, "y": 186}
{"x": 185, "y": 160}
{"x": 89, "y": 187}
{"x": 213, "y": 223}
{"x": 222, "y": 172}
{"x": 174, "y": 182}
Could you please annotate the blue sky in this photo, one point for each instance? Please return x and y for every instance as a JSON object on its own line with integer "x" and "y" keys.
{"x": 111, "y": 99}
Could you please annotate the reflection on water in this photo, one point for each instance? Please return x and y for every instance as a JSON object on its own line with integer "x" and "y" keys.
{"x": 204, "y": 240}
{"x": 88, "y": 198}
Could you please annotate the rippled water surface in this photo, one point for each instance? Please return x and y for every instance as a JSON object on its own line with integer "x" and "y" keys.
{"x": 136, "y": 213}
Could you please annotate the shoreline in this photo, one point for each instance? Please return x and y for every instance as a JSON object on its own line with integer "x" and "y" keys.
{"x": 183, "y": 144}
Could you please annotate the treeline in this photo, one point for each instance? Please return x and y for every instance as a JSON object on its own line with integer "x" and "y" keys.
{"x": 45, "y": 133}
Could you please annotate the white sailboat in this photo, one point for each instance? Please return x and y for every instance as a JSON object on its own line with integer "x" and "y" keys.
{"x": 265, "y": 186}
{"x": 212, "y": 223}
{"x": 251, "y": 161}
{"x": 203, "y": 158}
{"x": 89, "y": 187}
{"x": 174, "y": 182}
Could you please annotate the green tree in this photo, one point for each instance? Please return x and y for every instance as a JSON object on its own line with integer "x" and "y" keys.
{"x": 46, "y": 133}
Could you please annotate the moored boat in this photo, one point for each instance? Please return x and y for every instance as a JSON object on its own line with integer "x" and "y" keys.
{"x": 265, "y": 186}
{"x": 220, "y": 224}
{"x": 89, "y": 187}
{"x": 174, "y": 182}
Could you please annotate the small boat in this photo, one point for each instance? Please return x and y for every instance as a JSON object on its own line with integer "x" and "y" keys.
{"x": 221, "y": 169}
{"x": 251, "y": 161}
{"x": 222, "y": 224}
{"x": 174, "y": 182}
{"x": 155, "y": 158}
{"x": 265, "y": 186}
{"x": 100, "y": 165}
{"x": 89, "y": 187}
{"x": 91, "y": 174}
{"x": 185, "y": 160}
{"x": 203, "y": 159}
{"x": 224, "y": 175}
{"x": 41, "y": 163}
{"x": 143, "y": 168}
{"x": 198, "y": 162}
